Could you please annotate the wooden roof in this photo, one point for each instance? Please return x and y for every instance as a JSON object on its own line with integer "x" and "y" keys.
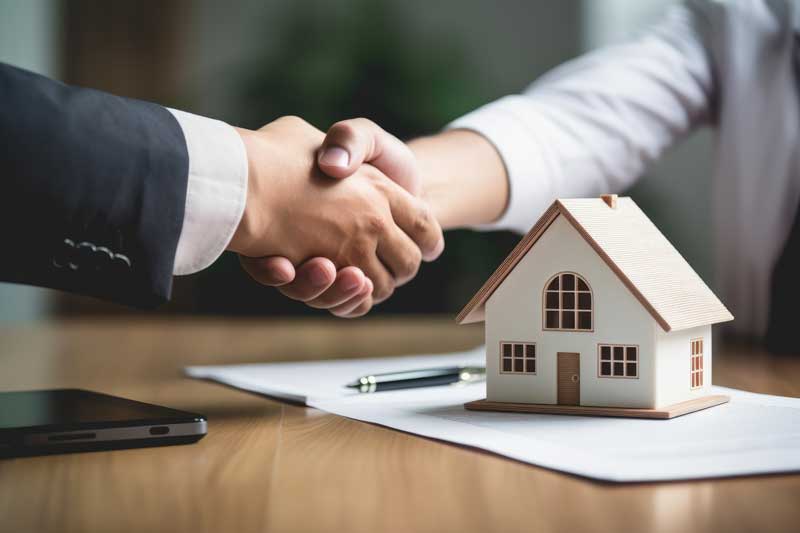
{"x": 638, "y": 253}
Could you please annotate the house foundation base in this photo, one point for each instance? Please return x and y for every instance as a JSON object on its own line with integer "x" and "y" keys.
{"x": 669, "y": 411}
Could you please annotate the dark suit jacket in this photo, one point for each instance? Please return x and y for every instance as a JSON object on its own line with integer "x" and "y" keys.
{"x": 92, "y": 190}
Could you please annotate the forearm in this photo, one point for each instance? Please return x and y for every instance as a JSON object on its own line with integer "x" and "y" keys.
{"x": 464, "y": 178}
{"x": 94, "y": 188}
{"x": 589, "y": 127}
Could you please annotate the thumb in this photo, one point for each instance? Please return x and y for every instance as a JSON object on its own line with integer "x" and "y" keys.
{"x": 351, "y": 143}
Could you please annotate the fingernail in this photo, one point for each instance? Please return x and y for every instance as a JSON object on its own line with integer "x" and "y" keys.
{"x": 318, "y": 276}
{"x": 281, "y": 276}
{"x": 351, "y": 283}
{"x": 335, "y": 156}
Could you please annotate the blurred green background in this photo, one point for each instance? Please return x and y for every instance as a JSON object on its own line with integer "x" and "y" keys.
{"x": 411, "y": 66}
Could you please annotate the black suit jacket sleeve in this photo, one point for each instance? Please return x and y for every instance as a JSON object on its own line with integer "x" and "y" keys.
{"x": 92, "y": 190}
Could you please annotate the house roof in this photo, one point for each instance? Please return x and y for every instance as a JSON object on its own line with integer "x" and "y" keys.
{"x": 635, "y": 250}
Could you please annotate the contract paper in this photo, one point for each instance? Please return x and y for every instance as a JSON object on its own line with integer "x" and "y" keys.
{"x": 752, "y": 434}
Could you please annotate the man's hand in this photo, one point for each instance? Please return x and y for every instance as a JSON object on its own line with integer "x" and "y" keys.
{"x": 351, "y": 143}
{"x": 367, "y": 223}
{"x": 347, "y": 146}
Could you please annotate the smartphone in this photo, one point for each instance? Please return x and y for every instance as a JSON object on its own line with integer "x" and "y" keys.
{"x": 71, "y": 420}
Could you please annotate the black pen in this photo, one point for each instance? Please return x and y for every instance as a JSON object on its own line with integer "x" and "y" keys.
{"x": 427, "y": 377}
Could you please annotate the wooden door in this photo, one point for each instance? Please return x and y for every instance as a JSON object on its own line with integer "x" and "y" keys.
{"x": 569, "y": 378}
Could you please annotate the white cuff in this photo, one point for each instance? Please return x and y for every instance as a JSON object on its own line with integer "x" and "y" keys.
{"x": 216, "y": 191}
{"x": 531, "y": 189}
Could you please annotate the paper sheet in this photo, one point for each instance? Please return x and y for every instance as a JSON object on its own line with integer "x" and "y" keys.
{"x": 753, "y": 434}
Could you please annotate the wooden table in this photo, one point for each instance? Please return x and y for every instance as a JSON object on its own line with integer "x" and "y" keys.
{"x": 268, "y": 466}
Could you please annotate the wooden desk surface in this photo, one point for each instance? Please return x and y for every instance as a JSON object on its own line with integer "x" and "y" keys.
{"x": 267, "y": 466}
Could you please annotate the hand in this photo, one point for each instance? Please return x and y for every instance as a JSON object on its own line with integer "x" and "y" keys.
{"x": 465, "y": 182}
{"x": 348, "y": 145}
{"x": 367, "y": 222}
{"x": 352, "y": 143}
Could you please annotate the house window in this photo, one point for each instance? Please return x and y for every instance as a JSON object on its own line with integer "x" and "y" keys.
{"x": 568, "y": 303}
{"x": 618, "y": 360}
{"x": 697, "y": 364}
{"x": 517, "y": 358}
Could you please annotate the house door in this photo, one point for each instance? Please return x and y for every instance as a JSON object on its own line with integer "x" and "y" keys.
{"x": 569, "y": 378}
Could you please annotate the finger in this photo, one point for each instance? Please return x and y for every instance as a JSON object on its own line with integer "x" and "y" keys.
{"x": 400, "y": 255}
{"x": 349, "y": 282}
{"x": 363, "y": 297}
{"x": 273, "y": 271}
{"x": 416, "y": 219}
{"x": 382, "y": 280}
{"x": 362, "y": 309}
{"x": 350, "y": 143}
{"x": 312, "y": 279}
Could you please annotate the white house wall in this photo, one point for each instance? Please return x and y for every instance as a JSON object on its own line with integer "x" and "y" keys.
{"x": 514, "y": 313}
{"x": 673, "y": 365}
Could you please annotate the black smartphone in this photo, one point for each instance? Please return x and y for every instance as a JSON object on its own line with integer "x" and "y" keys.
{"x": 71, "y": 420}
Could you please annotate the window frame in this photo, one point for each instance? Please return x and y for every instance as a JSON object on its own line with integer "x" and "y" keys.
{"x": 625, "y": 360}
{"x": 576, "y": 292}
{"x": 696, "y": 371}
{"x": 524, "y": 358}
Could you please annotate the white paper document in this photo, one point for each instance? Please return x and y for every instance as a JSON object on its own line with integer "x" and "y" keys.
{"x": 752, "y": 434}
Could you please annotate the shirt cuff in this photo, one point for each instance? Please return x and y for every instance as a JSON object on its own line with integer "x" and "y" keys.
{"x": 216, "y": 191}
{"x": 531, "y": 189}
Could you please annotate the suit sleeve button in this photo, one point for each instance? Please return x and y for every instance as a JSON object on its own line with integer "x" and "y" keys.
{"x": 84, "y": 254}
{"x": 120, "y": 264}
{"x": 103, "y": 257}
{"x": 122, "y": 260}
{"x": 65, "y": 253}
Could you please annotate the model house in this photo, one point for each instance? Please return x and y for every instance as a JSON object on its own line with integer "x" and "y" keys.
{"x": 595, "y": 309}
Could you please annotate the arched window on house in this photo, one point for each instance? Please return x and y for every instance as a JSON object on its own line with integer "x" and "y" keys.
{"x": 568, "y": 303}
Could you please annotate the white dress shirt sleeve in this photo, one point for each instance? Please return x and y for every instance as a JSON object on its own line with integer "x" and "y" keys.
{"x": 216, "y": 191}
{"x": 592, "y": 125}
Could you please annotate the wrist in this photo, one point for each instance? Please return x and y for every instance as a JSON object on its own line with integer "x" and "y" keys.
{"x": 435, "y": 183}
{"x": 463, "y": 178}
{"x": 252, "y": 221}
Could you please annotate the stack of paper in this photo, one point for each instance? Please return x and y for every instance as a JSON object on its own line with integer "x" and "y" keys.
{"x": 752, "y": 434}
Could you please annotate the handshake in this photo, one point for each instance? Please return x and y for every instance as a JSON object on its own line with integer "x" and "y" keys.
{"x": 124, "y": 198}
{"x": 337, "y": 221}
